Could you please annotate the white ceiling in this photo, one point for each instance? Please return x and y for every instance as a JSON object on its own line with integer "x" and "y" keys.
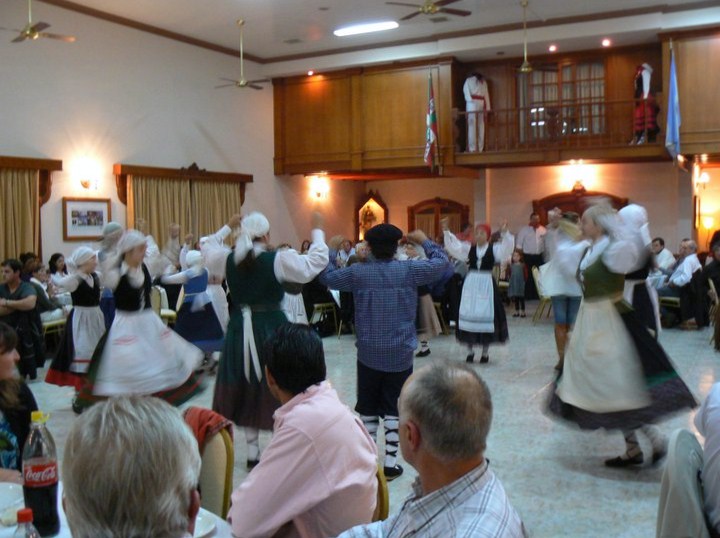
{"x": 269, "y": 23}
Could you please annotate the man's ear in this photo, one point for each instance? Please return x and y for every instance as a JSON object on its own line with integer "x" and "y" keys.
{"x": 412, "y": 435}
{"x": 193, "y": 510}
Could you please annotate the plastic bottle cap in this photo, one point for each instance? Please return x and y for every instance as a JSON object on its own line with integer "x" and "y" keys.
{"x": 24, "y": 515}
{"x": 39, "y": 416}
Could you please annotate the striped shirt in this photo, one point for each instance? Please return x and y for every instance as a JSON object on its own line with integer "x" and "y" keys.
{"x": 474, "y": 506}
{"x": 385, "y": 293}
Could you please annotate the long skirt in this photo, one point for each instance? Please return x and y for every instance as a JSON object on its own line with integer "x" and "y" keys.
{"x": 140, "y": 355}
{"x": 200, "y": 327}
{"x": 482, "y": 314}
{"x": 616, "y": 375}
{"x": 247, "y": 402}
{"x": 85, "y": 327}
{"x": 427, "y": 322}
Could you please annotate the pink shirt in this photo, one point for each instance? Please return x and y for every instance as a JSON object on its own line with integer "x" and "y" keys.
{"x": 318, "y": 472}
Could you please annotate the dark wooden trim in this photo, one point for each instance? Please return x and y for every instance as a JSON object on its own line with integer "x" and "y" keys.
{"x": 690, "y": 33}
{"x": 576, "y": 200}
{"x": 192, "y": 172}
{"x": 155, "y": 30}
{"x": 45, "y": 167}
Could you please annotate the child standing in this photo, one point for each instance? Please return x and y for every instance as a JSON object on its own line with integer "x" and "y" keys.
{"x": 518, "y": 276}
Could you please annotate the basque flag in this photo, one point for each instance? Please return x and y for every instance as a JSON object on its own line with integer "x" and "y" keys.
{"x": 431, "y": 127}
{"x": 672, "y": 128}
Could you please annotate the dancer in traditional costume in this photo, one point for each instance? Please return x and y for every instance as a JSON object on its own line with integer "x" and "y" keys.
{"x": 196, "y": 319}
{"x": 616, "y": 375}
{"x": 427, "y": 322}
{"x": 482, "y": 314}
{"x": 85, "y": 325}
{"x": 139, "y": 354}
{"x": 255, "y": 276}
{"x": 112, "y": 232}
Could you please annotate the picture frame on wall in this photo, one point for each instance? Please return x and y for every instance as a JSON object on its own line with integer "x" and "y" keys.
{"x": 84, "y": 218}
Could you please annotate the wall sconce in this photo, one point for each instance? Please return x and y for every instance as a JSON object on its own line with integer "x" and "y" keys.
{"x": 700, "y": 178}
{"x": 708, "y": 221}
{"x": 319, "y": 186}
{"x": 87, "y": 171}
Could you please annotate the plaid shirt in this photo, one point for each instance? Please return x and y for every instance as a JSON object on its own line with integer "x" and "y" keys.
{"x": 385, "y": 293}
{"x": 474, "y": 506}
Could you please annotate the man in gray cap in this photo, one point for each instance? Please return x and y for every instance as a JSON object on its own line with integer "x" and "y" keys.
{"x": 385, "y": 294}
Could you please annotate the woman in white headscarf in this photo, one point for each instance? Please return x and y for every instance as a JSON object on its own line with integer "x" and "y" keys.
{"x": 616, "y": 375}
{"x": 85, "y": 324}
{"x": 139, "y": 354}
{"x": 255, "y": 275}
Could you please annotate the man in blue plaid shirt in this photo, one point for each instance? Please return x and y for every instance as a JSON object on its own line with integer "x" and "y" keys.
{"x": 385, "y": 294}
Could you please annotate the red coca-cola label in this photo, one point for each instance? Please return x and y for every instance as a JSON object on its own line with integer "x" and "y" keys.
{"x": 41, "y": 475}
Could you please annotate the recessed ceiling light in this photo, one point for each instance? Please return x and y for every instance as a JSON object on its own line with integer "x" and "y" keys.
{"x": 552, "y": 48}
{"x": 606, "y": 42}
{"x": 311, "y": 73}
{"x": 365, "y": 28}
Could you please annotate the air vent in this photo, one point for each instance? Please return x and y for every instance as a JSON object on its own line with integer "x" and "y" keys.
{"x": 292, "y": 41}
{"x": 439, "y": 19}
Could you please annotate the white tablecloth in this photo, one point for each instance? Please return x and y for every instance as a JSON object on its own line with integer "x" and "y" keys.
{"x": 222, "y": 528}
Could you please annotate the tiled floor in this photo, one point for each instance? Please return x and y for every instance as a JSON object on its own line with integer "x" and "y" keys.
{"x": 553, "y": 474}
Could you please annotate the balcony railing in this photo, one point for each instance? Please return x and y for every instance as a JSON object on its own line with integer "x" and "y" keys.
{"x": 562, "y": 124}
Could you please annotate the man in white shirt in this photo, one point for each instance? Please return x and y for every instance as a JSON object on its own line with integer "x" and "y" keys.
{"x": 707, "y": 421}
{"x": 530, "y": 240}
{"x": 686, "y": 267}
{"x": 663, "y": 257}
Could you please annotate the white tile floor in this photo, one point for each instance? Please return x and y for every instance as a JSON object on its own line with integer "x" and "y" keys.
{"x": 553, "y": 474}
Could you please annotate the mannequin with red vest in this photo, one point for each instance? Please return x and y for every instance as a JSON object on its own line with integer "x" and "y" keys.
{"x": 646, "y": 108}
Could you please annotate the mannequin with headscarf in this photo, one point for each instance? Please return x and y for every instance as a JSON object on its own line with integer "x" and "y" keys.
{"x": 482, "y": 318}
{"x": 139, "y": 354}
{"x": 616, "y": 376}
{"x": 255, "y": 276}
{"x": 646, "y": 109}
{"x": 85, "y": 324}
{"x": 477, "y": 106}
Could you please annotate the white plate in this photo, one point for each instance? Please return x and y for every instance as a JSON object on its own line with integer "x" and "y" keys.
{"x": 11, "y": 500}
{"x": 204, "y": 523}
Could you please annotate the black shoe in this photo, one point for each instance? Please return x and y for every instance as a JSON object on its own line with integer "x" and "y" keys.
{"x": 76, "y": 407}
{"x": 624, "y": 461}
{"x": 251, "y": 464}
{"x": 470, "y": 358}
{"x": 657, "y": 457}
{"x": 484, "y": 359}
{"x": 391, "y": 473}
{"x": 516, "y": 315}
{"x": 423, "y": 352}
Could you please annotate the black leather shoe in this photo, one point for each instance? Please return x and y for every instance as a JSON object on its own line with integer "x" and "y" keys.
{"x": 470, "y": 358}
{"x": 484, "y": 359}
{"x": 622, "y": 461}
{"x": 391, "y": 473}
{"x": 251, "y": 464}
{"x": 423, "y": 352}
{"x": 657, "y": 457}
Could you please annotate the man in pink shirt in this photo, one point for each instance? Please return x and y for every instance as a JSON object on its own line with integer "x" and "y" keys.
{"x": 317, "y": 476}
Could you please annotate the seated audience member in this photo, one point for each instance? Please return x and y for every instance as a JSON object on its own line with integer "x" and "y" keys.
{"x": 17, "y": 309}
{"x": 686, "y": 266}
{"x": 707, "y": 421}
{"x": 663, "y": 257}
{"x": 712, "y": 270}
{"x": 445, "y": 415}
{"x": 131, "y": 468}
{"x": 48, "y": 307}
{"x": 16, "y": 405}
{"x": 28, "y": 261}
{"x": 317, "y": 476}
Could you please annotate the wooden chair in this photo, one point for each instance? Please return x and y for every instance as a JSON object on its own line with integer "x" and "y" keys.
{"x": 382, "y": 509}
{"x": 320, "y": 309}
{"x": 503, "y": 285}
{"x": 544, "y": 301}
{"x": 53, "y": 327}
{"x": 168, "y": 316}
{"x": 438, "y": 311}
{"x": 216, "y": 474}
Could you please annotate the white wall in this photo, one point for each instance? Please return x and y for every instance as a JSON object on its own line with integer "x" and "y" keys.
{"x": 120, "y": 95}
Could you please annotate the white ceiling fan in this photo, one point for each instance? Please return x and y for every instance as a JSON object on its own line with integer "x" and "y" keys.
{"x": 35, "y": 31}
{"x": 241, "y": 82}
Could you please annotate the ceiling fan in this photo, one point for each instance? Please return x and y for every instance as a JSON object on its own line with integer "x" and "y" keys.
{"x": 525, "y": 67}
{"x": 431, "y": 8}
{"x": 241, "y": 82}
{"x": 35, "y": 31}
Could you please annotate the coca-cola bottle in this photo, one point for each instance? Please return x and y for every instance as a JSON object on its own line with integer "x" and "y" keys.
{"x": 25, "y": 528}
{"x": 40, "y": 475}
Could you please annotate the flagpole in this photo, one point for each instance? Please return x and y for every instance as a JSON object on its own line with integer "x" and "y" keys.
{"x": 437, "y": 134}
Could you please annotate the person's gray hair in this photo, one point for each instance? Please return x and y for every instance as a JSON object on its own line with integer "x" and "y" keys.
{"x": 129, "y": 467}
{"x": 692, "y": 245}
{"x": 451, "y": 405}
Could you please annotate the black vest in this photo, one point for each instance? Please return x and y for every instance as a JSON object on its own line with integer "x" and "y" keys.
{"x": 133, "y": 299}
{"x": 85, "y": 295}
{"x": 486, "y": 263}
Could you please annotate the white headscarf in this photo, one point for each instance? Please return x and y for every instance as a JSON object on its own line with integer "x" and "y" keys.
{"x": 80, "y": 256}
{"x": 635, "y": 219}
{"x": 194, "y": 258}
{"x": 130, "y": 240}
{"x": 254, "y": 225}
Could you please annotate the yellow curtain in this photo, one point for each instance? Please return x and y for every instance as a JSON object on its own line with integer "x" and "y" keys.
{"x": 214, "y": 202}
{"x": 20, "y": 215}
{"x": 160, "y": 202}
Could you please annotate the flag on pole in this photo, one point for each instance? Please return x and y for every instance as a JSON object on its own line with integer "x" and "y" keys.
{"x": 672, "y": 128}
{"x": 431, "y": 143}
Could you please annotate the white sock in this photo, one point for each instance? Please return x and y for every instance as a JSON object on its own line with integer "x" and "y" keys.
{"x": 371, "y": 425}
{"x": 252, "y": 436}
{"x": 392, "y": 440}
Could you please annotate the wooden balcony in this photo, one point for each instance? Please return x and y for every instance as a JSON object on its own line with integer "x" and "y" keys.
{"x": 553, "y": 132}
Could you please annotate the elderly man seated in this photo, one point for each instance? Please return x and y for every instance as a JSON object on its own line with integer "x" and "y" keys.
{"x": 131, "y": 468}
{"x": 317, "y": 477}
{"x": 678, "y": 285}
{"x": 445, "y": 415}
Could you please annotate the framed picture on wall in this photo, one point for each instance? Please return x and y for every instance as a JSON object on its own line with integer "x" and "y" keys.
{"x": 84, "y": 218}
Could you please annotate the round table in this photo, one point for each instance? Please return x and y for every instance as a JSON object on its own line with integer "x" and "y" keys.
{"x": 221, "y": 530}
